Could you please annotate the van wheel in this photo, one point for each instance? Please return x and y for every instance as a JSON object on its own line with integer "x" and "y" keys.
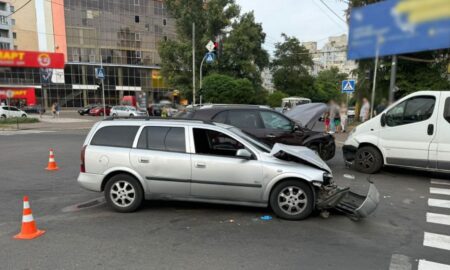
{"x": 123, "y": 193}
{"x": 292, "y": 200}
{"x": 368, "y": 160}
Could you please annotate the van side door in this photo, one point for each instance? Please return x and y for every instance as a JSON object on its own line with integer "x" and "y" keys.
{"x": 410, "y": 128}
{"x": 161, "y": 158}
{"x": 440, "y": 147}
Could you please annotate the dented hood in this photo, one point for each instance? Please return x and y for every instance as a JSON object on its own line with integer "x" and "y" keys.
{"x": 304, "y": 154}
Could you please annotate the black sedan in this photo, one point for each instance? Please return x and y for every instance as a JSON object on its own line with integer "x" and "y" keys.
{"x": 87, "y": 109}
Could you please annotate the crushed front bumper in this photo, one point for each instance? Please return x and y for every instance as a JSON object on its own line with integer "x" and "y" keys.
{"x": 350, "y": 203}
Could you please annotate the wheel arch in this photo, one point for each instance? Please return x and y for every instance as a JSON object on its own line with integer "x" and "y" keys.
{"x": 111, "y": 174}
{"x": 375, "y": 147}
{"x": 277, "y": 182}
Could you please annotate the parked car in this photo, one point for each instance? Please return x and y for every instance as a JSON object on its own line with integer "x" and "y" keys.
{"x": 413, "y": 132}
{"x": 34, "y": 109}
{"x": 267, "y": 125}
{"x": 99, "y": 111}
{"x": 351, "y": 112}
{"x": 87, "y": 109}
{"x": 132, "y": 160}
{"x": 11, "y": 111}
{"x": 126, "y": 111}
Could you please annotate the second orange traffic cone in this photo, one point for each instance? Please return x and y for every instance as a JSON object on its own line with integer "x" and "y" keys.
{"x": 29, "y": 229}
{"x": 52, "y": 166}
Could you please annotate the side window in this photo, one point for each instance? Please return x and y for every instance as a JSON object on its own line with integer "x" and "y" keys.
{"x": 115, "y": 136}
{"x": 210, "y": 142}
{"x": 14, "y": 109}
{"x": 244, "y": 119}
{"x": 447, "y": 110}
{"x": 410, "y": 111}
{"x": 275, "y": 121}
{"x": 220, "y": 117}
{"x": 170, "y": 139}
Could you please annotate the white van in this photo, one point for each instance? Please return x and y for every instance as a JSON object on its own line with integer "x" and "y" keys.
{"x": 413, "y": 132}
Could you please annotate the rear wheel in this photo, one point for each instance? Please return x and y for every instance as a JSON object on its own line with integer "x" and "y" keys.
{"x": 131, "y": 115}
{"x": 101, "y": 113}
{"x": 114, "y": 115}
{"x": 24, "y": 116}
{"x": 292, "y": 200}
{"x": 368, "y": 160}
{"x": 123, "y": 193}
{"x": 3, "y": 116}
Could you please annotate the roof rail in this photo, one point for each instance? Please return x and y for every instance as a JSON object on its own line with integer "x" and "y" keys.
{"x": 150, "y": 118}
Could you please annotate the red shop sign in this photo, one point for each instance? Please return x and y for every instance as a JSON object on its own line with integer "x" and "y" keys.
{"x": 31, "y": 59}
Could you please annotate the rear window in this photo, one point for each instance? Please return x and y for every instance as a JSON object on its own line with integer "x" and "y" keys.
{"x": 170, "y": 139}
{"x": 116, "y": 136}
{"x": 447, "y": 110}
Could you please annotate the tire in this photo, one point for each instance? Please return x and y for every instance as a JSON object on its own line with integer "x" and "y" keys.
{"x": 24, "y": 116}
{"x": 368, "y": 160}
{"x": 3, "y": 116}
{"x": 131, "y": 115}
{"x": 101, "y": 113}
{"x": 117, "y": 186}
{"x": 114, "y": 115}
{"x": 301, "y": 200}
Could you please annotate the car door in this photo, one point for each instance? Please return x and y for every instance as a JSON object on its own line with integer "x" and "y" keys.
{"x": 14, "y": 112}
{"x": 161, "y": 158}
{"x": 279, "y": 129}
{"x": 410, "y": 128}
{"x": 247, "y": 120}
{"x": 217, "y": 173}
{"x": 440, "y": 147}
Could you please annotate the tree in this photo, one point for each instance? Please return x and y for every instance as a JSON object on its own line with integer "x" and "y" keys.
{"x": 290, "y": 68}
{"x": 226, "y": 89}
{"x": 328, "y": 85}
{"x": 274, "y": 99}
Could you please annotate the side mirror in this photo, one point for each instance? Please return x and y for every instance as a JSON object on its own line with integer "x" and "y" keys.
{"x": 244, "y": 153}
{"x": 383, "y": 120}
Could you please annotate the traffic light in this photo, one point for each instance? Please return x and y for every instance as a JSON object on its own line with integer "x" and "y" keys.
{"x": 99, "y": 86}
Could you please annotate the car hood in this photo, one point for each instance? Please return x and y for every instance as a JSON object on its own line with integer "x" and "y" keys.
{"x": 307, "y": 114}
{"x": 299, "y": 154}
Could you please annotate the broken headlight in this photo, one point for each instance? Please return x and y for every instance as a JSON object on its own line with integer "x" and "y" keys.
{"x": 327, "y": 178}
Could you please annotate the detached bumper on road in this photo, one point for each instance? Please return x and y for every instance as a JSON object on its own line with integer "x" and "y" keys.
{"x": 90, "y": 181}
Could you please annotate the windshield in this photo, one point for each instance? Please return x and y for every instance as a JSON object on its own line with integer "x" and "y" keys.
{"x": 250, "y": 139}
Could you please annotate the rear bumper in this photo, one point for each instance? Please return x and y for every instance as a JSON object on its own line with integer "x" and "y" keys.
{"x": 349, "y": 152}
{"x": 90, "y": 181}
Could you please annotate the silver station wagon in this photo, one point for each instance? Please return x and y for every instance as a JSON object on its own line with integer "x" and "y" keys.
{"x": 191, "y": 160}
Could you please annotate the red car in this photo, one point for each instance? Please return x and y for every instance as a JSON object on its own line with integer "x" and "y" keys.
{"x": 98, "y": 111}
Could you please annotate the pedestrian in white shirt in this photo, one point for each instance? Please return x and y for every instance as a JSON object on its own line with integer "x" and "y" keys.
{"x": 365, "y": 110}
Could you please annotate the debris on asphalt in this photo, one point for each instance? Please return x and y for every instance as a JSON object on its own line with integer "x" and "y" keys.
{"x": 267, "y": 217}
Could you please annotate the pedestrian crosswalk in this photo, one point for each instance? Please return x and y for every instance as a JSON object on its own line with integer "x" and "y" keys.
{"x": 438, "y": 203}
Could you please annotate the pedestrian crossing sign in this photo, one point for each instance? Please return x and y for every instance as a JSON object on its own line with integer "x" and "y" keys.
{"x": 348, "y": 86}
{"x": 210, "y": 57}
{"x": 99, "y": 73}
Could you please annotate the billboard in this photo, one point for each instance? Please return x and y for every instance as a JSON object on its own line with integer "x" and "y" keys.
{"x": 31, "y": 59}
{"x": 398, "y": 27}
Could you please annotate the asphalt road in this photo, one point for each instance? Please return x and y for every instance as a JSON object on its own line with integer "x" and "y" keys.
{"x": 176, "y": 235}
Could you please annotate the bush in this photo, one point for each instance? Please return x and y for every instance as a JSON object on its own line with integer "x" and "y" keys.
{"x": 21, "y": 120}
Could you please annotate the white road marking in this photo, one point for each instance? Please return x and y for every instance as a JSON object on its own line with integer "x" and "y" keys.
{"x": 440, "y": 182}
{"x": 21, "y": 132}
{"x": 438, "y": 218}
{"x": 400, "y": 262}
{"x": 439, "y": 203}
{"x": 436, "y": 240}
{"x": 427, "y": 265}
{"x": 443, "y": 191}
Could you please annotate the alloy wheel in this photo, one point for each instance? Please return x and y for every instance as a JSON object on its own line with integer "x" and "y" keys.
{"x": 292, "y": 200}
{"x": 122, "y": 193}
{"x": 366, "y": 159}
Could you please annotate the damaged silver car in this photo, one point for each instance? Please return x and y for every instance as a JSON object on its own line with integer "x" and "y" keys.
{"x": 190, "y": 160}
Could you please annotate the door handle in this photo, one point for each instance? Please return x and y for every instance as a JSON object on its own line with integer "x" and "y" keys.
{"x": 270, "y": 136}
{"x": 200, "y": 165}
{"x": 143, "y": 160}
{"x": 430, "y": 130}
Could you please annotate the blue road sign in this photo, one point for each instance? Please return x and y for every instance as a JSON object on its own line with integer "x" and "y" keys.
{"x": 99, "y": 73}
{"x": 210, "y": 57}
{"x": 397, "y": 27}
{"x": 348, "y": 86}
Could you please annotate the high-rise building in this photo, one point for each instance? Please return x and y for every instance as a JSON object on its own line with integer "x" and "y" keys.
{"x": 6, "y": 35}
{"x": 122, "y": 36}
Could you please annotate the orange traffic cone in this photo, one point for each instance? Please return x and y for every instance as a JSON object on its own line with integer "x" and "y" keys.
{"x": 29, "y": 229}
{"x": 52, "y": 166}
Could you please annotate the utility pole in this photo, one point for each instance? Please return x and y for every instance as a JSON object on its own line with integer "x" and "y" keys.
{"x": 393, "y": 77}
{"x": 193, "y": 64}
{"x": 374, "y": 83}
{"x": 102, "y": 81}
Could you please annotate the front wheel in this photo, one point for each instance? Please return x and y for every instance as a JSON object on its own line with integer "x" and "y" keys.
{"x": 292, "y": 200}
{"x": 368, "y": 160}
{"x": 101, "y": 113}
{"x": 24, "y": 116}
{"x": 123, "y": 193}
{"x": 131, "y": 115}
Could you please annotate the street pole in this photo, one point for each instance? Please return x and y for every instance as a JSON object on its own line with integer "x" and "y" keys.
{"x": 201, "y": 72}
{"x": 393, "y": 77}
{"x": 372, "y": 101}
{"x": 103, "y": 88}
{"x": 193, "y": 64}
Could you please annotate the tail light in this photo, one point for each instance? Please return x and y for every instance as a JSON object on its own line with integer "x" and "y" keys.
{"x": 83, "y": 153}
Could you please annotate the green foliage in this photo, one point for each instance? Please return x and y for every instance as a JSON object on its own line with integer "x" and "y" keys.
{"x": 328, "y": 85}
{"x": 242, "y": 53}
{"x": 21, "y": 120}
{"x": 290, "y": 68}
{"x": 226, "y": 89}
{"x": 274, "y": 99}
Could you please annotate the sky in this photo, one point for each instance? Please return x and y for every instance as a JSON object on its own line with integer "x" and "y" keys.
{"x": 307, "y": 20}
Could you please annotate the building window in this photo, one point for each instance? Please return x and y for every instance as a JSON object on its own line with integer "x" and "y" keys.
{"x": 12, "y": 9}
{"x": 13, "y": 21}
{"x": 14, "y": 35}
{"x": 3, "y": 6}
{"x": 4, "y": 45}
{"x": 136, "y": 19}
{"x": 4, "y": 33}
{"x": 164, "y": 21}
{"x": 3, "y": 20}
{"x": 136, "y": 2}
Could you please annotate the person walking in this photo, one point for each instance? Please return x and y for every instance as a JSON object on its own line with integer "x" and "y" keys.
{"x": 54, "y": 110}
{"x": 57, "y": 109}
{"x": 344, "y": 117}
{"x": 365, "y": 111}
{"x": 334, "y": 115}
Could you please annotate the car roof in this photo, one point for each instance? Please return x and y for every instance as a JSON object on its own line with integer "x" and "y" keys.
{"x": 153, "y": 120}
{"x": 210, "y": 112}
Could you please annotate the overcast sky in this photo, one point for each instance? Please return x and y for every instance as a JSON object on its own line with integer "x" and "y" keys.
{"x": 308, "y": 20}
